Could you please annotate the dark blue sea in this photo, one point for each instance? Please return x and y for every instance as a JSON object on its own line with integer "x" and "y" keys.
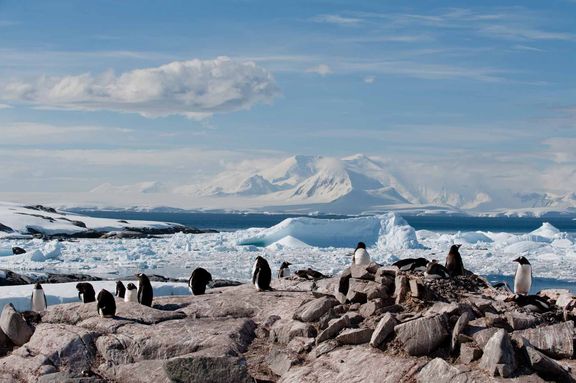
{"x": 231, "y": 222}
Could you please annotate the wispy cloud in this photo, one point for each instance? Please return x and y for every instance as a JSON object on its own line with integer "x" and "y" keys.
{"x": 321, "y": 69}
{"x": 337, "y": 20}
{"x": 520, "y": 33}
{"x": 5, "y": 106}
{"x": 195, "y": 89}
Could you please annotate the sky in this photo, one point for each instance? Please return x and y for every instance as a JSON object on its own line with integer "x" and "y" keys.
{"x": 129, "y": 91}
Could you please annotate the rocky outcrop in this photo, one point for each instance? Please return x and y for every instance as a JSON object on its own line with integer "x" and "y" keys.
{"x": 422, "y": 336}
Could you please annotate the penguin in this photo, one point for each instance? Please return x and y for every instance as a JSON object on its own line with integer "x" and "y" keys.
{"x": 106, "y": 304}
{"x": 534, "y": 303}
{"x": 38, "y": 300}
{"x": 310, "y": 274}
{"x": 198, "y": 281}
{"x": 86, "y": 292}
{"x": 261, "y": 274}
{"x": 523, "y": 277}
{"x": 131, "y": 293}
{"x": 145, "y": 292}
{"x": 411, "y": 264}
{"x": 454, "y": 263}
{"x": 18, "y": 250}
{"x": 284, "y": 270}
{"x": 120, "y": 289}
{"x": 361, "y": 256}
{"x": 434, "y": 270}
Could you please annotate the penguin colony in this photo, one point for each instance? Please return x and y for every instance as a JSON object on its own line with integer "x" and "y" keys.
{"x": 262, "y": 277}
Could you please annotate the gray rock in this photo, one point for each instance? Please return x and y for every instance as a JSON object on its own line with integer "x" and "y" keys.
{"x": 461, "y": 323}
{"x": 354, "y": 318}
{"x": 6, "y": 344}
{"x": 422, "y": 336}
{"x": 14, "y": 326}
{"x": 324, "y": 348}
{"x": 384, "y": 328}
{"x": 417, "y": 289}
{"x": 313, "y": 310}
{"x": 66, "y": 377}
{"x": 481, "y": 335}
{"x": 334, "y": 327}
{"x": 356, "y": 297}
{"x": 300, "y": 344}
{"x": 439, "y": 308}
{"x": 498, "y": 357}
{"x": 280, "y": 361}
{"x": 323, "y": 322}
{"x": 203, "y": 369}
{"x": 355, "y": 336}
{"x": 387, "y": 271}
{"x": 370, "y": 308}
{"x": 371, "y": 289}
{"x": 521, "y": 321}
{"x": 555, "y": 340}
{"x": 285, "y": 330}
{"x": 439, "y": 371}
{"x": 546, "y": 367}
{"x": 469, "y": 353}
{"x": 361, "y": 272}
{"x": 402, "y": 289}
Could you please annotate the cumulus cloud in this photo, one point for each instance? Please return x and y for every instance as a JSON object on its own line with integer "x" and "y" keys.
{"x": 195, "y": 89}
{"x": 322, "y": 70}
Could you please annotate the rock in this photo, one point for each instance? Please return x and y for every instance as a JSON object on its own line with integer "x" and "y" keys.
{"x": 546, "y": 367}
{"x": 313, "y": 310}
{"x": 482, "y": 304}
{"x": 461, "y": 323}
{"x": 285, "y": 330}
{"x": 324, "y": 348}
{"x": 14, "y": 326}
{"x": 354, "y": 318}
{"x": 355, "y": 336}
{"x": 482, "y": 336}
{"x": 370, "y": 308}
{"x": 562, "y": 297}
{"x": 402, "y": 288}
{"x": 422, "y": 336}
{"x": 361, "y": 272}
{"x": 66, "y": 377}
{"x": 498, "y": 355}
{"x": 300, "y": 344}
{"x": 520, "y": 321}
{"x": 6, "y": 344}
{"x": 439, "y": 308}
{"x": 555, "y": 340}
{"x": 384, "y": 328}
{"x": 323, "y": 322}
{"x": 469, "y": 353}
{"x": 280, "y": 361}
{"x": 334, "y": 327}
{"x": 417, "y": 289}
{"x": 202, "y": 369}
{"x": 387, "y": 271}
{"x": 439, "y": 371}
{"x": 391, "y": 309}
{"x": 371, "y": 290}
{"x": 356, "y": 297}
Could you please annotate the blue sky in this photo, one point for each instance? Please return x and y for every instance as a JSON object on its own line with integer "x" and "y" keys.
{"x": 176, "y": 91}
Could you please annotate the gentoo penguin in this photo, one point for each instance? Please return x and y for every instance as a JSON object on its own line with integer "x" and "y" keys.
{"x": 454, "y": 263}
{"x": 18, "y": 250}
{"x": 411, "y": 264}
{"x": 86, "y": 292}
{"x": 120, "y": 289}
{"x": 361, "y": 256}
{"x": 198, "y": 281}
{"x": 38, "y": 301}
{"x": 106, "y": 304}
{"x": 145, "y": 292}
{"x": 434, "y": 270}
{"x": 534, "y": 303}
{"x": 523, "y": 277}
{"x": 284, "y": 270}
{"x": 310, "y": 274}
{"x": 131, "y": 293}
{"x": 261, "y": 274}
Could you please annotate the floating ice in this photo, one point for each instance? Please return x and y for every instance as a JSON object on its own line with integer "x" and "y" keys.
{"x": 547, "y": 231}
{"x": 287, "y": 242}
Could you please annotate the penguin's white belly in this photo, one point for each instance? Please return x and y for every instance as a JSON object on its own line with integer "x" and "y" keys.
{"x": 131, "y": 296}
{"x": 361, "y": 257}
{"x": 285, "y": 273}
{"x": 523, "y": 279}
{"x": 38, "y": 303}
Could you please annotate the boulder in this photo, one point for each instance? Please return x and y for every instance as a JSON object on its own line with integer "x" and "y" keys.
{"x": 355, "y": 336}
{"x": 469, "y": 353}
{"x": 285, "y": 330}
{"x": 439, "y": 371}
{"x": 461, "y": 323}
{"x": 422, "y": 336}
{"x": 280, "y": 361}
{"x": 14, "y": 326}
{"x": 384, "y": 328}
{"x": 6, "y": 344}
{"x": 300, "y": 344}
{"x": 402, "y": 288}
{"x": 387, "y": 271}
{"x": 481, "y": 335}
{"x": 417, "y": 289}
{"x": 313, "y": 310}
{"x": 498, "y": 357}
{"x": 361, "y": 272}
{"x": 370, "y": 289}
{"x": 334, "y": 327}
{"x": 354, "y": 318}
{"x": 370, "y": 308}
{"x": 555, "y": 340}
{"x": 546, "y": 367}
{"x": 439, "y": 308}
{"x": 520, "y": 321}
{"x": 204, "y": 369}
{"x": 324, "y": 348}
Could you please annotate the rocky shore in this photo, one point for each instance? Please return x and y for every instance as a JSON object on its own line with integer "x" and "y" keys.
{"x": 390, "y": 326}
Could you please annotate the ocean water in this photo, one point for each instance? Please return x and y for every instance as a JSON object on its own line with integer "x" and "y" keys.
{"x": 232, "y": 222}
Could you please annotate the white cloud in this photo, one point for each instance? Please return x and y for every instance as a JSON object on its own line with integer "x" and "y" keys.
{"x": 195, "y": 89}
{"x": 369, "y": 79}
{"x": 523, "y": 33}
{"x": 337, "y": 20}
{"x": 4, "y": 106}
{"x": 321, "y": 69}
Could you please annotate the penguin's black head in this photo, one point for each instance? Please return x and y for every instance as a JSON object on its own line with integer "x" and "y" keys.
{"x": 80, "y": 286}
{"x": 285, "y": 265}
{"x": 141, "y": 276}
{"x": 360, "y": 245}
{"x": 131, "y": 286}
{"x": 119, "y": 283}
{"x": 522, "y": 261}
{"x": 454, "y": 248}
{"x": 37, "y": 286}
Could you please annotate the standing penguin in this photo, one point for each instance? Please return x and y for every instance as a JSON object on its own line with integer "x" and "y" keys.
{"x": 131, "y": 293}
{"x": 284, "y": 270}
{"x": 38, "y": 300}
{"x": 120, "y": 289}
{"x": 523, "y": 277}
{"x": 106, "y": 304}
{"x": 86, "y": 292}
{"x": 198, "y": 281}
{"x": 454, "y": 263}
{"x": 145, "y": 292}
{"x": 261, "y": 274}
{"x": 361, "y": 256}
